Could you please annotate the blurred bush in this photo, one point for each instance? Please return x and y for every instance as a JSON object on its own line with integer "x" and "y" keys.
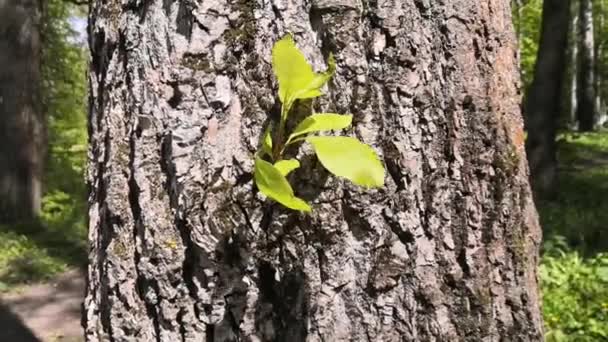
{"x": 575, "y": 294}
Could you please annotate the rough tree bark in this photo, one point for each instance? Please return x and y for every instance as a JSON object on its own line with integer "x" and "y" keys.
{"x": 22, "y": 126}
{"x": 585, "y": 112}
{"x": 542, "y": 105}
{"x": 184, "y": 249}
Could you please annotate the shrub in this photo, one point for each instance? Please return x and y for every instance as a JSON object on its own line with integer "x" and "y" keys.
{"x": 575, "y": 294}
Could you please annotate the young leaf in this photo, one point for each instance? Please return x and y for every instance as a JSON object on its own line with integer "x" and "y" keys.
{"x": 296, "y": 78}
{"x": 320, "y": 80}
{"x": 321, "y": 122}
{"x": 349, "y": 158}
{"x": 267, "y": 141}
{"x": 286, "y": 166}
{"x": 273, "y": 184}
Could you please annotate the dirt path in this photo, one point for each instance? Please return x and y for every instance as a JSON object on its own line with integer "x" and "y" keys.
{"x": 48, "y": 312}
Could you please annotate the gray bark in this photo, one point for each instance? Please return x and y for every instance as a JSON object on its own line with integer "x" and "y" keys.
{"x": 542, "y": 106}
{"x": 183, "y": 248}
{"x": 586, "y": 84}
{"x": 22, "y": 128}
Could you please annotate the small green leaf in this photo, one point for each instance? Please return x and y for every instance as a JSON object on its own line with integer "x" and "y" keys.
{"x": 322, "y": 122}
{"x": 349, "y": 158}
{"x": 291, "y": 68}
{"x": 273, "y": 184}
{"x": 296, "y": 78}
{"x": 267, "y": 141}
{"x": 319, "y": 81}
{"x": 286, "y": 166}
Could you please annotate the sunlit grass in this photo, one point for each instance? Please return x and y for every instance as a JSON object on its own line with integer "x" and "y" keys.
{"x": 38, "y": 250}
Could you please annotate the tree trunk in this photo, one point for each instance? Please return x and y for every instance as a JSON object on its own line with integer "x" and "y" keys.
{"x": 573, "y": 122}
{"x": 542, "y": 106}
{"x": 600, "y": 115}
{"x": 586, "y": 83}
{"x": 183, "y": 248}
{"x": 22, "y": 126}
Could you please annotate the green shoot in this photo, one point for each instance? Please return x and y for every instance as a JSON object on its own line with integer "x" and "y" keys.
{"x": 344, "y": 157}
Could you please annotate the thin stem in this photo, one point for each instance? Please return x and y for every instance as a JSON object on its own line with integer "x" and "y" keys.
{"x": 278, "y": 146}
{"x": 289, "y": 142}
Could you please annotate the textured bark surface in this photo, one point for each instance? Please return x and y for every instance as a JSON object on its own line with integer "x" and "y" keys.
{"x": 184, "y": 249}
{"x": 542, "y": 106}
{"x": 586, "y": 71}
{"x": 22, "y": 128}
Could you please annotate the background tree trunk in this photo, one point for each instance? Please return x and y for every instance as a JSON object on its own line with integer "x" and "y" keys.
{"x": 600, "y": 115}
{"x": 573, "y": 122}
{"x": 22, "y": 126}
{"x": 184, "y": 249}
{"x": 586, "y": 87}
{"x": 542, "y": 107}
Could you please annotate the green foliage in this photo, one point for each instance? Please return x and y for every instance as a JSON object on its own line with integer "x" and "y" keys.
{"x": 21, "y": 260}
{"x": 321, "y": 122}
{"x": 295, "y": 75}
{"x": 64, "y": 68}
{"x": 267, "y": 141}
{"x": 343, "y": 156}
{"x": 272, "y": 183}
{"x": 349, "y": 158}
{"x": 527, "y": 20}
{"x": 64, "y": 95}
{"x": 575, "y": 295}
{"x": 286, "y": 166}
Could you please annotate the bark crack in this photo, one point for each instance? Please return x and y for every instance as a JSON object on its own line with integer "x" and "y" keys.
{"x": 245, "y": 215}
{"x": 405, "y": 236}
{"x": 142, "y": 284}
